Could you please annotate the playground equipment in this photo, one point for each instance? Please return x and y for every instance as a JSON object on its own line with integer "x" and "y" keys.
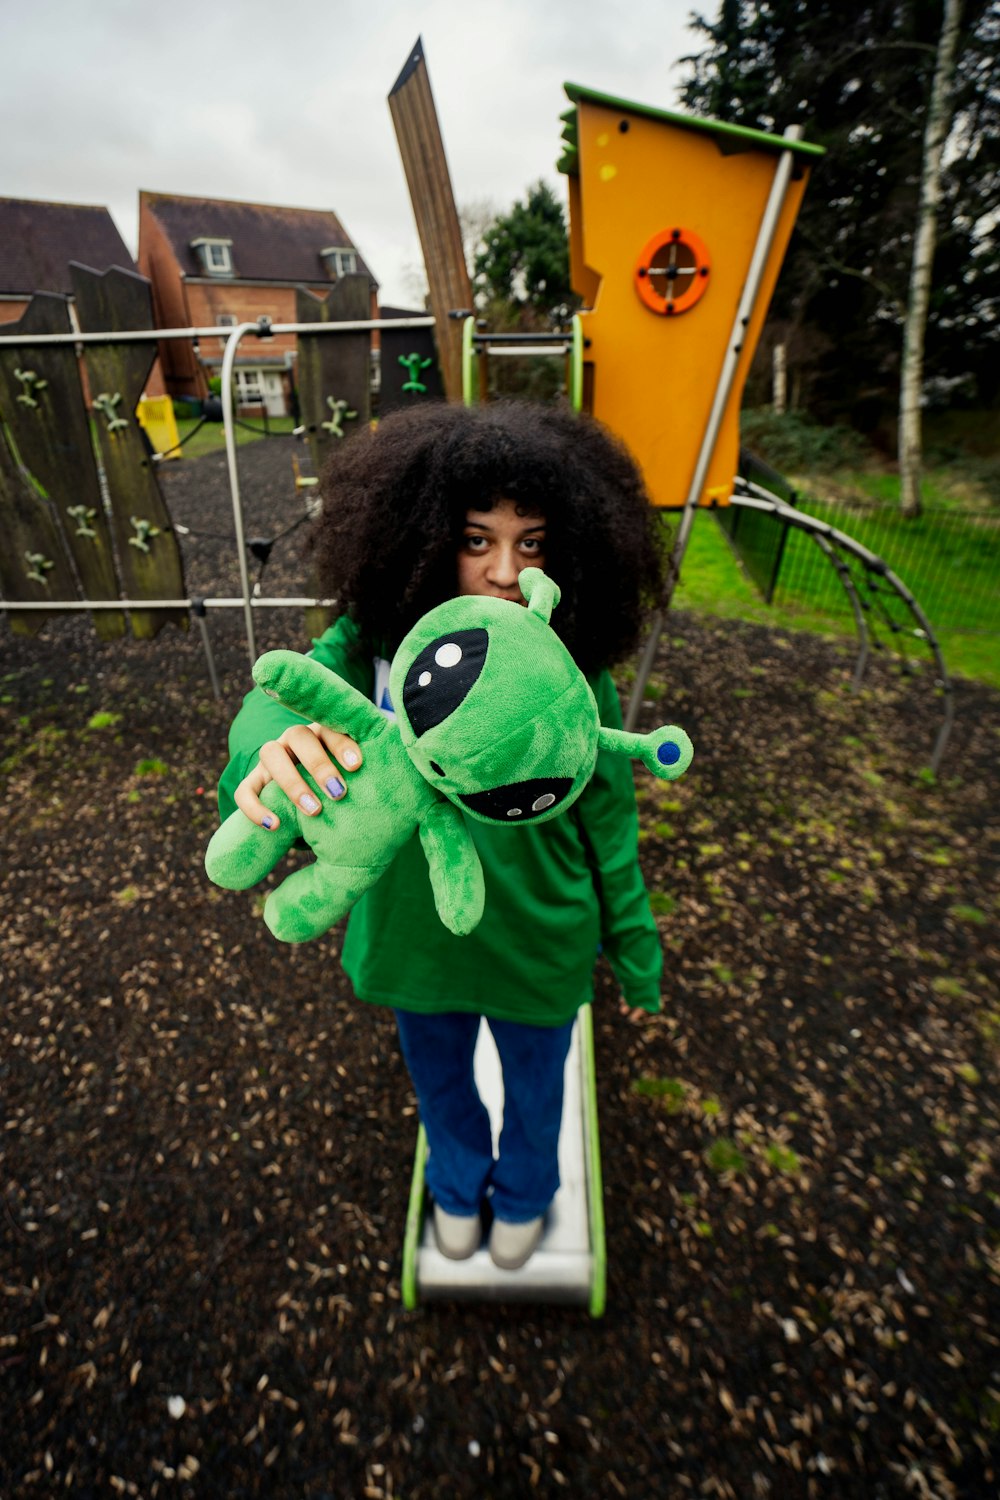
{"x": 569, "y": 1266}
{"x": 675, "y": 282}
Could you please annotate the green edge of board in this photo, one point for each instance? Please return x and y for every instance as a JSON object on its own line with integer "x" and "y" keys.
{"x": 595, "y": 1185}
{"x": 414, "y": 1221}
{"x": 736, "y": 135}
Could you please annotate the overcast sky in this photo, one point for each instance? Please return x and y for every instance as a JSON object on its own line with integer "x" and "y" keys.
{"x": 285, "y": 101}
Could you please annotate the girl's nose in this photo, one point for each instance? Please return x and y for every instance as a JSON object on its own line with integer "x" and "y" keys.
{"x": 505, "y": 567}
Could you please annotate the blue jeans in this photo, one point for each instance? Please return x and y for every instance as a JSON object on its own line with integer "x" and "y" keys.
{"x": 461, "y": 1168}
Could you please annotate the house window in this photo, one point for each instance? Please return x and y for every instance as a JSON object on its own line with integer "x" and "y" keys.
{"x": 339, "y": 261}
{"x": 248, "y": 388}
{"x": 216, "y": 255}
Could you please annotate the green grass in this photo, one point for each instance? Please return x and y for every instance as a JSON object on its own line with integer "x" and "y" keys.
{"x": 211, "y": 437}
{"x": 953, "y": 571}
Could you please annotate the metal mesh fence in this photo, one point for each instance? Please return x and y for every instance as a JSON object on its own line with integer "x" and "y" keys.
{"x": 949, "y": 560}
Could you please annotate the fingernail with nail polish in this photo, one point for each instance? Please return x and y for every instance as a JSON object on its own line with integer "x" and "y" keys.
{"x": 267, "y": 822}
{"x": 308, "y": 801}
{"x": 350, "y": 757}
{"x": 335, "y": 787}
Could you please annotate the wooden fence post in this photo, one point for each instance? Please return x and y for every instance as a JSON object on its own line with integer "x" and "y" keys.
{"x": 334, "y": 380}
{"x": 148, "y": 556}
{"x": 44, "y": 412}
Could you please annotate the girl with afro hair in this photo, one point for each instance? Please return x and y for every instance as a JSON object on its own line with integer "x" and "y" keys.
{"x": 442, "y": 500}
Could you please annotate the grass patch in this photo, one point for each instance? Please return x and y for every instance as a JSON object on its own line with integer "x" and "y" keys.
{"x": 723, "y": 1155}
{"x": 211, "y": 436}
{"x": 152, "y": 767}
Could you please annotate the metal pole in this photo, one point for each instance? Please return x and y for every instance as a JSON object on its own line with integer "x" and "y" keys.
{"x": 724, "y": 385}
{"x": 198, "y": 610}
{"x": 65, "y": 606}
{"x": 228, "y": 361}
{"x": 156, "y": 335}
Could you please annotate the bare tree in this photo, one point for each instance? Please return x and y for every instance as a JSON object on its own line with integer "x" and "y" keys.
{"x": 939, "y": 117}
{"x": 474, "y": 219}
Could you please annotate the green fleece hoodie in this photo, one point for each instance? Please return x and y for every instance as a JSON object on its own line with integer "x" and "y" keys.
{"x": 555, "y": 891}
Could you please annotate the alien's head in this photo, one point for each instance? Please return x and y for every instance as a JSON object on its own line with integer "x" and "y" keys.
{"x": 492, "y": 709}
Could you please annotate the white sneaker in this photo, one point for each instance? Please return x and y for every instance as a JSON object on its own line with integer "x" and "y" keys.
{"x": 458, "y": 1235}
{"x": 513, "y": 1244}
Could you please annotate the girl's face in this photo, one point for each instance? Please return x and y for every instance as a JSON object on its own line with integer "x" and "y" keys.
{"x": 496, "y": 545}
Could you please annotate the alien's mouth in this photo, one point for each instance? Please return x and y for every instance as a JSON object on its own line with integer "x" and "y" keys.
{"x": 520, "y": 801}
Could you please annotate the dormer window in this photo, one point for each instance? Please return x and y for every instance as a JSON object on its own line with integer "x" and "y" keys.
{"x": 216, "y": 256}
{"x": 339, "y": 261}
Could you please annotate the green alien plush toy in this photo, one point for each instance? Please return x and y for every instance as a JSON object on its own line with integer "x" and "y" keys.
{"x": 494, "y": 719}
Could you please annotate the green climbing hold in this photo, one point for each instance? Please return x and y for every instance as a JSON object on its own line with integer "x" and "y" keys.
{"x": 33, "y": 386}
{"x": 38, "y": 566}
{"x": 83, "y": 515}
{"x": 339, "y": 415}
{"x": 144, "y": 533}
{"x": 413, "y": 364}
{"x": 107, "y": 406}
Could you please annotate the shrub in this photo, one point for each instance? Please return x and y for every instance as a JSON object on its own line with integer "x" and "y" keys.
{"x": 794, "y": 442}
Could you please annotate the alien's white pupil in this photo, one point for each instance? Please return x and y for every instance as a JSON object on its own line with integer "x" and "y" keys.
{"x": 448, "y": 655}
{"x": 513, "y": 812}
{"x": 541, "y": 803}
{"x": 424, "y": 679}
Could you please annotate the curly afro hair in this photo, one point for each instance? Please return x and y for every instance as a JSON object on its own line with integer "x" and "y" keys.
{"x": 395, "y": 501}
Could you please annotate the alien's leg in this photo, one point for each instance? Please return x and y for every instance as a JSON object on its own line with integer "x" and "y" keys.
{"x": 309, "y": 902}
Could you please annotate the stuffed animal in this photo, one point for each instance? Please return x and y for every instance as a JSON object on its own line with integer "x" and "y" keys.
{"x": 494, "y": 718}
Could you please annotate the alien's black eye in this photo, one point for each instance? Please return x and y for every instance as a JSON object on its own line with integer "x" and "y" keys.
{"x": 442, "y": 676}
{"x": 438, "y": 770}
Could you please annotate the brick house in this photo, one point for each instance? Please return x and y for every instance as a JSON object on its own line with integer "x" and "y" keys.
{"x": 215, "y": 262}
{"x": 37, "y": 242}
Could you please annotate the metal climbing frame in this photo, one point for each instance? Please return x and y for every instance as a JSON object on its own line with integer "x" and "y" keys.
{"x": 262, "y": 329}
{"x": 833, "y": 543}
{"x": 478, "y": 346}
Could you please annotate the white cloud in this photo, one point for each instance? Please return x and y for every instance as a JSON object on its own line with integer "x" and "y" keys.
{"x": 287, "y": 103}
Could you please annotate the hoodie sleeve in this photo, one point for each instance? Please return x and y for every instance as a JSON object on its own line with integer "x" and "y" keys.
{"x": 609, "y": 822}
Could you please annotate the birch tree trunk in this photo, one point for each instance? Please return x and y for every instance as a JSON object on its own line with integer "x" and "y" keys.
{"x": 915, "y": 326}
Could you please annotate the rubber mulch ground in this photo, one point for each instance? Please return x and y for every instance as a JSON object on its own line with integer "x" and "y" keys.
{"x": 207, "y": 1142}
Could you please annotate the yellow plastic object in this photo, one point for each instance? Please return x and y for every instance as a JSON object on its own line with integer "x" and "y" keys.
{"x": 664, "y": 217}
{"x": 156, "y": 416}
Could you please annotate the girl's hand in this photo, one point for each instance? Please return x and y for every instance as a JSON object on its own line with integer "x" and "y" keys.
{"x": 633, "y": 1013}
{"x": 307, "y": 745}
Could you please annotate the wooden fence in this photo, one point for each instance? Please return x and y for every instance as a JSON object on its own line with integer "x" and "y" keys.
{"x": 83, "y": 521}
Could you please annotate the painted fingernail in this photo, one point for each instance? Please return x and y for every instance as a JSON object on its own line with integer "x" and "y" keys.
{"x": 351, "y": 758}
{"x": 335, "y": 787}
{"x": 308, "y": 802}
{"x": 267, "y": 822}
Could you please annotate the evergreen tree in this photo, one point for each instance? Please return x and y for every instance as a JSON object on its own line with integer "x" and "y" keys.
{"x": 524, "y": 261}
{"x": 858, "y": 77}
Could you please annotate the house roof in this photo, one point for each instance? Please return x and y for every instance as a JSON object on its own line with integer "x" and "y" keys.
{"x": 38, "y": 240}
{"x": 268, "y": 243}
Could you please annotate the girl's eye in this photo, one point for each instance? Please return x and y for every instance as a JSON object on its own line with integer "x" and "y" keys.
{"x": 533, "y": 543}
{"x": 476, "y": 543}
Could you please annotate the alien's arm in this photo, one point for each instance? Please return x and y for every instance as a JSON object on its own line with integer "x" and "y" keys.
{"x": 307, "y": 687}
{"x": 239, "y": 853}
{"x": 455, "y": 871}
{"x": 667, "y": 752}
